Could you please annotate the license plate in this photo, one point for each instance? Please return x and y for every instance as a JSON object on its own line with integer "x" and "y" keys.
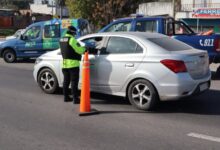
{"x": 203, "y": 86}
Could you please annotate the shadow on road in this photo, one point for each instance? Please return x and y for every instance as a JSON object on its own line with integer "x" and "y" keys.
{"x": 207, "y": 103}
{"x": 116, "y": 100}
{"x": 122, "y": 112}
{"x": 98, "y": 98}
{"x": 25, "y": 61}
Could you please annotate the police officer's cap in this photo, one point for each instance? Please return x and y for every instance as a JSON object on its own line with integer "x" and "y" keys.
{"x": 72, "y": 29}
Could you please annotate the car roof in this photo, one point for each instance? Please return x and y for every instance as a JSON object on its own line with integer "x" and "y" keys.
{"x": 143, "y": 17}
{"x": 127, "y": 34}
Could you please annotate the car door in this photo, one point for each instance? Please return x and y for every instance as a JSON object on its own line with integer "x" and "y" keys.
{"x": 51, "y": 36}
{"x": 94, "y": 46}
{"x": 31, "y": 43}
{"x": 117, "y": 62}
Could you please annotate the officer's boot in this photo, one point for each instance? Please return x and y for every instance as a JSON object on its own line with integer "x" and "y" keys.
{"x": 67, "y": 98}
{"x": 76, "y": 99}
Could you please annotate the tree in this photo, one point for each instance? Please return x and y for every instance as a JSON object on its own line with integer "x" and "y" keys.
{"x": 15, "y": 4}
{"x": 80, "y": 8}
{"x": 101, "y": 12}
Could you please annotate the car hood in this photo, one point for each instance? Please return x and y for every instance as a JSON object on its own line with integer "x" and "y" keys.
{"x": 52, "y": 54}
{"x": 2, "y": 41}
{"x": 10, "y": 37}
{"x": 9, "y": 42}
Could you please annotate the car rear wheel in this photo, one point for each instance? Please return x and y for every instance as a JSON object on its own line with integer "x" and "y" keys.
{"x": 47, "y": 81}
{"x": 142, "y": 95}
{"x": 9, "y": 56}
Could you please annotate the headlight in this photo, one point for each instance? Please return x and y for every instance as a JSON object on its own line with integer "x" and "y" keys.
{"x": 38, "y": 60}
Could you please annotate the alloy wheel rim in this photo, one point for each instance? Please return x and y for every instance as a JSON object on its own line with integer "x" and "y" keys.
{"x": 47, "y": 81}
{"x": 141, "y": 94}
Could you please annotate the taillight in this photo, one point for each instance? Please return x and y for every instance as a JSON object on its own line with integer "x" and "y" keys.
{"x": 176, "y": 66}
{"x": 217, "y": 45}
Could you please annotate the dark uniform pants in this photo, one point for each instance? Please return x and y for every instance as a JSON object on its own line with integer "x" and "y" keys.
{"x": 71, "y": 76}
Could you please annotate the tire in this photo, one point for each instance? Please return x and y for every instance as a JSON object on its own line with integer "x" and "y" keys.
{"x": 47, "y": 81}
{"x": 217, "y": 73}
{"x": 9, "y": 56}
{"x": 142, "y": 95}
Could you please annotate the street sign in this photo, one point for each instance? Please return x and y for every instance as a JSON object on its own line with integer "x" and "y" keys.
{"x": 206, "y": 13}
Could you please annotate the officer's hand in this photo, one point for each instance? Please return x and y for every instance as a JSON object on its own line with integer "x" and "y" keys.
{"x": 82, "y": 43}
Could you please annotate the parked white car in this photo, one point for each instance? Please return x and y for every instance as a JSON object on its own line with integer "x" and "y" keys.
{"x": 144, "y": 67}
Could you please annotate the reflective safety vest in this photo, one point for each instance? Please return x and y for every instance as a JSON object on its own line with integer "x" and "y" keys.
{"x": 71, "y": 51}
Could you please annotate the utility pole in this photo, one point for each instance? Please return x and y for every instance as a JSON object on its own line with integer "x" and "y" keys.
{"x": 173, "y": 3}
{"x": 193, "y": 4}
{"x": 52, "y": 8}
{"x": 61, "y": 12}
{"x": 61, "y": 3}
{"x": 205, "y": 3}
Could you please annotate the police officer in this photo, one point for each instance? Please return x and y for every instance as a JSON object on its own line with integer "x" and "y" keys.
{"x": 71, "y": 52}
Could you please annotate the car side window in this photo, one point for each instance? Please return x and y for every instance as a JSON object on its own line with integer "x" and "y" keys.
{"x": 52, "y": 31}
{"x": 94, "y": 44}
{"x": 121, "y": 45}
{"x": 179, "y": 28}
{"x": 146, "y": 26}
{"x": 119, "y": 27}
{"x": 33, "y": 32}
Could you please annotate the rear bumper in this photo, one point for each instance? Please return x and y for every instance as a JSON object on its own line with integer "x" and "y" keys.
{"x": 198, "y": 90}
{"x": 185, "y": 87}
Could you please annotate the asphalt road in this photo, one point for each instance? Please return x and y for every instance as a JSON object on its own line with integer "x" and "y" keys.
{"x": 33, "y": 120}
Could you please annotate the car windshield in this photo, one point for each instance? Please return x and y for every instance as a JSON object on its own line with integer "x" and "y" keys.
{"x": 170, "y": 44}
{"x": 18, "y": 32}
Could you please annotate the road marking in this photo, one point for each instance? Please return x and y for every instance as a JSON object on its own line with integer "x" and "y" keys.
{"x": 205, "y": 137}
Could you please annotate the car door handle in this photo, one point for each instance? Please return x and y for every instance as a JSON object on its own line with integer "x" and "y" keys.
{"x": 129, "y": 65}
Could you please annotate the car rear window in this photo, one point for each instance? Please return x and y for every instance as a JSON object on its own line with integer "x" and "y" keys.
{"x": 170, "y": 44}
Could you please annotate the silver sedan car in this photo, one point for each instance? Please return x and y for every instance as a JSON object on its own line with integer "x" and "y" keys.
{"x": 143, "y": 67}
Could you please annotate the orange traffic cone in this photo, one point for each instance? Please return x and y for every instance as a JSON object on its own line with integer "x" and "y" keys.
{"x": 85, "y": 107}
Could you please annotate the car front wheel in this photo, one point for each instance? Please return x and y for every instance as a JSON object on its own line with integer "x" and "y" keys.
{"x": 47, "y": 81}
{"x": 9, "y": 56}
{"x": 142, "y": 94}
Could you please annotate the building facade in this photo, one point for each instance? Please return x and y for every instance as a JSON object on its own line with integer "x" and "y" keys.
{"x": 49, "y": 7}
{"x": 200, "y": 15}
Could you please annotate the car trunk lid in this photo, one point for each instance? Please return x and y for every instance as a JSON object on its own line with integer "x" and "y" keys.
{"x": 196, "y": 61}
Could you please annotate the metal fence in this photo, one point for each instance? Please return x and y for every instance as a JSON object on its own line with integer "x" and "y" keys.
{"x": 191, "y": 7}
{"x": 19, "y": 22}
